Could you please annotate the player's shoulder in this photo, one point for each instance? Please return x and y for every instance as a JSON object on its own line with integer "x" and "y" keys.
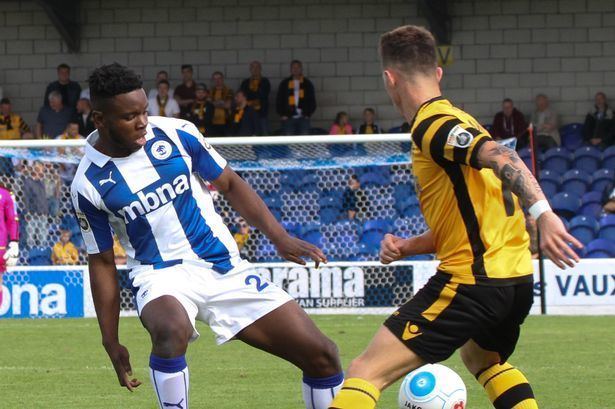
{"x": 173, "y": 125}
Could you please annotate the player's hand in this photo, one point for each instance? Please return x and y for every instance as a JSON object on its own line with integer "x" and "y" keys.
{"x": 293, "y": 249}
{"x": 391, "y": 248}
{"x": 554, "y": 240}
{"x": 120, "y": 358}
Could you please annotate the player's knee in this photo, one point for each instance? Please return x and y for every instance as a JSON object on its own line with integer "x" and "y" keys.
{"x": 324, "y": 360}
{"x": 170, "y": 338}
{"x": 476, "y": 362}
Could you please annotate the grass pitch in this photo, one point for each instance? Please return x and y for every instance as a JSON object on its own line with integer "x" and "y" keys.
{"x": 51, "y": 364}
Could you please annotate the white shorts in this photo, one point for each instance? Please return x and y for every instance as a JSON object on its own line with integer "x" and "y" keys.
{"x": 226, "y": 302}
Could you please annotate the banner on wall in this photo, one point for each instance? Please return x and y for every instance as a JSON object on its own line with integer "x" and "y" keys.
{"x": 42, "y": 292}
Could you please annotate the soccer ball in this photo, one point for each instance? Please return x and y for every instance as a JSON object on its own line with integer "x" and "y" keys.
{"x": 432, "y": 386}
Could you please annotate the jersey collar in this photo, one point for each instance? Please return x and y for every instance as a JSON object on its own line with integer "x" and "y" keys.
{"x": 423, "y": 105}
{"x": 99, "y": 158}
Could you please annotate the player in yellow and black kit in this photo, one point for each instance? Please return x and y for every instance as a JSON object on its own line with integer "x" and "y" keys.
{"x": 470, "y": 190}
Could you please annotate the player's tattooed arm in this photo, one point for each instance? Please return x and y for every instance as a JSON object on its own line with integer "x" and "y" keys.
{"x": 508, "y": 166}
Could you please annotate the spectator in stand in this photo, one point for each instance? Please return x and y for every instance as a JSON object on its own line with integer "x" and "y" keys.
{"x": 201, "y": 113}
{"x": 296, "y": 101}
{"x": 119, "y": 253}
{"x": 84, "y": 117}
{"x": 185, "y": 93}
{"x": 163, "y": 105}
{"x": 599, "y": 127}
{"x": 64, "y": 251}
{"x": 153, "y": 93}
{"x": 69, "y": 90}
{"x": 257, "y": 88}
{"x": 340, "y": 125}
{"x": 71, "y": 132}
{"x": 242, "y": 235}
{"x": 369, "y": 126}
{"x": 53, "y": 119}
{"x": 509, "y": 123}
{"x": 244, "y": 120}
{"x": 351, "y": 197}
{"x": 545, "y": 124}
{"x": 12, "y": 125}
{"x": 36, "y": 207}
{"x": 222, "y": 99}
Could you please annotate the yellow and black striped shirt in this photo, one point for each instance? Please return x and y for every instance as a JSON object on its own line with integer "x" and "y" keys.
{"x": 478, "y": 226}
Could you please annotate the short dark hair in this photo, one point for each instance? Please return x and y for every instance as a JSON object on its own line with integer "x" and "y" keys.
{"x": 339, "y": 116}
{"x": 411, "y": 49}
{"x": 370, "y": 110}
{"x": 162, "y": 72}
{"x": 187, "y": 67}
{"x": 110, "y": 80}
{"x": 296, "y": 62}
{"x": 217, "y": 73}
{"x": 4, "y": 101}
{"x": 507, "y": 100}
{"x": 163, "y": 82}
{"x": 63, "y": 66}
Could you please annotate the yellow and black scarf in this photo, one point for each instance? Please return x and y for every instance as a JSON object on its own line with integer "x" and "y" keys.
{"x": 162, "y": 104}
{"x": 238, "y": 115}
{"x": 255, "y": 83}
{"x": 291, "y": 92}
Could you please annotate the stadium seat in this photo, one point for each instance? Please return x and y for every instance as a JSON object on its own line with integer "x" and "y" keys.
{"x": 488, "y": 127}
{"x": 347, "y": 149}
{"x": 600, "y": 248}
{"x": 311, "y": 233}
{"x": 330, "y": 200}
{"x": 364, "y": 252}
{"x": 395, "y": 129}
{"x": 292, "y": 228}
{"x": 584, "y": 228}
{"x": 309, "y": 183}
{"x": 576, "y": 182}
{"x": 608, "y": 158}
{"x": 374, "y": 230}
{"x": 290, "y": 180}
{"x": 572, "y": 136}
{"x": 587, "y": 159}
{"x": 526, "y": 156}
{"x": 410, "y": 207}
{"x": 550, "y": 182}
{"x": 39, "y": 256}
{"x": 330, "y": 214}
{"x": 565, "y": 205}
{"x": 602, "y": 178}
{"x": 373, "y": 179}
{"x": 591, "y": 204}
{"x": 272, "y": 151}
{"x": 607, "y": 228}
{"x": 401, "y": 191}
{"x": 557, "y": 159}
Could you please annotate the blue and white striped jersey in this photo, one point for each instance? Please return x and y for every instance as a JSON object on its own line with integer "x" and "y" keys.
{"x": 154, "y": 199}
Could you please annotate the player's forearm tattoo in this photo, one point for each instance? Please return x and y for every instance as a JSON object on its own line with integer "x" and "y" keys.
{"x": 512, "y": 172}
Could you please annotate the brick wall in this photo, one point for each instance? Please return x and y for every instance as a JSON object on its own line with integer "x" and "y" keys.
{"x": 513, "y": 48}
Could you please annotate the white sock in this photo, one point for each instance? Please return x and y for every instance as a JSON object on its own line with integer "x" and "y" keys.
{"x": 319, "y": 392}
{"x": 170, "y": 379}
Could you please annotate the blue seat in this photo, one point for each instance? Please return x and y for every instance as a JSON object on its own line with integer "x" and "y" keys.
{"x": 572, "y": 136}
{"x": 602, "y": 178}
{"x": 347, "y": 149}
{"x": 272, "y": 151}
{"x": 330, "y": 214}
{"x": 410, "y": 207}
{"x": 330, "y": 201}
{"x": 591, "y": 204}
{"x": 308, "y": 183}
{"x": 550, "y": 182}
{"x": 584, "y": 228}
{"x": 39, "y": 256}
{"x": 565, "y": 205}
{"x": 373, "y": 179}
{"x": 557, "y": 159}
{"x": 587, "y": 159}
{"x": 576, "y": 182}
{"x": 607, "y": 228}
{"x": 526, "y": 156}
{"x": 488, "y": 127}
{"x": 374, "y": 231}
{"x": 600, "y": 248}
{"x": 395, "y": 129}
{"x": 402, "y": 190}
{"x": 608, "y": 158}
{"x": 293, "y": 228}
{"x": 364, "y": 252}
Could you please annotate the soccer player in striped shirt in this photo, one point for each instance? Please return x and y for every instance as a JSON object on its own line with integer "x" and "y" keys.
{"x": 140, "y": 178}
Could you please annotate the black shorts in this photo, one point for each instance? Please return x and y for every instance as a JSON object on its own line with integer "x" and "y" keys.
{"x": 443, "y": 316}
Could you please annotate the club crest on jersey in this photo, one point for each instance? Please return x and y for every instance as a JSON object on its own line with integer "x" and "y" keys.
{"x": 459, "y": 137}
{"x": 161, "y": 150}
